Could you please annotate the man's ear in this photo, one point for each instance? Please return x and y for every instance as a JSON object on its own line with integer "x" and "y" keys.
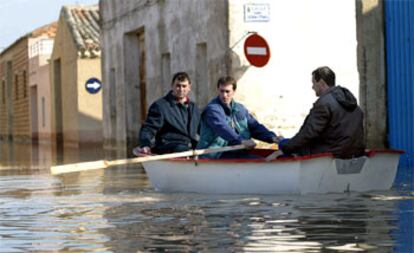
{"x": 324, "y": 83}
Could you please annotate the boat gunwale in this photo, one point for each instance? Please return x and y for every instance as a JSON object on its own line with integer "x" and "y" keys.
{"x": 368, "y": 153}
{"x": 373, "y": 152}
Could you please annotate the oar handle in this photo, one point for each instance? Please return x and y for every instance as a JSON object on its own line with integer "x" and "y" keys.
{"x": 194, "y": 152}
{"x": 218, "y": 150}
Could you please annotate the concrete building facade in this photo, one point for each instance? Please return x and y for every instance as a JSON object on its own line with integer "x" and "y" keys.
{"x": 372, "y": 70}
{"x": 145, "y": 42}
{"x": 76, "y": 114}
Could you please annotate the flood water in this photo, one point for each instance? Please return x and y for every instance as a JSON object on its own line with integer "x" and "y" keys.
{"x": 116, "y": 210}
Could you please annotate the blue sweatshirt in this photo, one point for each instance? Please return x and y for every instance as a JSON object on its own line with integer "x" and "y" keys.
{"x": 223, "y": 125}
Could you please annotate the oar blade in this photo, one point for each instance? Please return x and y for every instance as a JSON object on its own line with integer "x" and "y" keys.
{"x": 68, "y": 168}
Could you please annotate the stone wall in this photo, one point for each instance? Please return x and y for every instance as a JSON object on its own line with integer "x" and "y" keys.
{"x": 15, "y": 108}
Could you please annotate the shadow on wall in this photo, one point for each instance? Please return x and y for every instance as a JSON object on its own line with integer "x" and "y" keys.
{"x": 217, "y": 68}
{"x": 90, "y": 130}
{"x": 235, "y": 68}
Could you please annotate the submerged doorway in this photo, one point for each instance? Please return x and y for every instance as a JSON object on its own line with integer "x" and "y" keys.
{"x": 34, "y": 122}
{"x": 142, "y": 76}
{"x": 135, "y": 90}
{"x": 57, "y": 81}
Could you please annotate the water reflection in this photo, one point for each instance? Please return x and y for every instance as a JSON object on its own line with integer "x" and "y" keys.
{"x": 265, "y": 224}
{"x": 15, "y": 154}
{"x": 116, "y": 210}
{"x": 41, "y": 156}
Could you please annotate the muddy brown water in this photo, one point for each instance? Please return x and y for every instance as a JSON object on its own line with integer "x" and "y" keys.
{"x": 116, "y": 210}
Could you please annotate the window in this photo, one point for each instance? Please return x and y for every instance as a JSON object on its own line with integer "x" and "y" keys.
{"x": 202, "y": 88}
{"x": 24, "y": 84}
{"x": 166, "y": 72}
{"x": 43, "y": 112}
{"x": 3, "y": 92}
{"x": 16, "y": 87}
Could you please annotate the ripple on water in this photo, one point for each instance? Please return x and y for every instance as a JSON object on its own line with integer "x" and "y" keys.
{"x": 117, "y": 211}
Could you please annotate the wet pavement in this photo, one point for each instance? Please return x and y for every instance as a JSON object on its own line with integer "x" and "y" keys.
{"x": 116, "y": 210}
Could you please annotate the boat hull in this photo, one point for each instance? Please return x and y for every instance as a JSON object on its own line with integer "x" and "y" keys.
{"x": 316, "y": 174}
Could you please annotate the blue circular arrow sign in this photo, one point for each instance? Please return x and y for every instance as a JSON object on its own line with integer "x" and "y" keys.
{"x": 93, "y": 85}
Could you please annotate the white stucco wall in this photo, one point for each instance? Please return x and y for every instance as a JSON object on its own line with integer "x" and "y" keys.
{"x": 302, "y": 35}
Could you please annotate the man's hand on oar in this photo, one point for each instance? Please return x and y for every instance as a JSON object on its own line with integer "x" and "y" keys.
{"x": 278, "y": 152}
{"x": 249, "y": 144}
{"x": 141, "y": 152}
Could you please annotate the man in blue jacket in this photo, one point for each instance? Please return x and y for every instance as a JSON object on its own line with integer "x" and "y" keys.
{"x": 172, "y": 121}
{"x": 225, "y": 122}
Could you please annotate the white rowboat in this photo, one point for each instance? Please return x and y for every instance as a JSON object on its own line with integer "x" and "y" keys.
{"x": 320, "y": 173}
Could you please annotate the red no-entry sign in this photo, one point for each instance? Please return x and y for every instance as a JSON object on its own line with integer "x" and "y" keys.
{"x": 256, "y": 50}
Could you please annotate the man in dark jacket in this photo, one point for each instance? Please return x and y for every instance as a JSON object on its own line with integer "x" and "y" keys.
{"x": 172, "y": 121}
{"x": 334, "y": 124}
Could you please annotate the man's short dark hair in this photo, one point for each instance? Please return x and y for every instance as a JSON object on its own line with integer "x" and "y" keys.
{"x": 181, "y": 77}
{"x": 227, "y": 80}
{"x": 326, "y": 74}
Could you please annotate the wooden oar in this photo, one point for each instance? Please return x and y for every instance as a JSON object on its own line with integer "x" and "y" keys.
{"x": 102, "y": 164}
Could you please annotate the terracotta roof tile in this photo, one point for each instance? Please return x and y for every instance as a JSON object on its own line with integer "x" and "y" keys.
{"x": 49, "y": 30}
{"x": 83, "y": 23}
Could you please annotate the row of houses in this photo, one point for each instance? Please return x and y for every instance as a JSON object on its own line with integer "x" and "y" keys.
{"x": 143, "y": 42}
{"x": 43, "y": 74}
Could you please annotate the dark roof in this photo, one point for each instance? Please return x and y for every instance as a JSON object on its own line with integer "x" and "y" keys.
{"x": 83, "y": 23}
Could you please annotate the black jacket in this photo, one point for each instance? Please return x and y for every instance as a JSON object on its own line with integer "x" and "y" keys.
{"x": 334, "y": 124}
{"x": 170, "y": 126}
